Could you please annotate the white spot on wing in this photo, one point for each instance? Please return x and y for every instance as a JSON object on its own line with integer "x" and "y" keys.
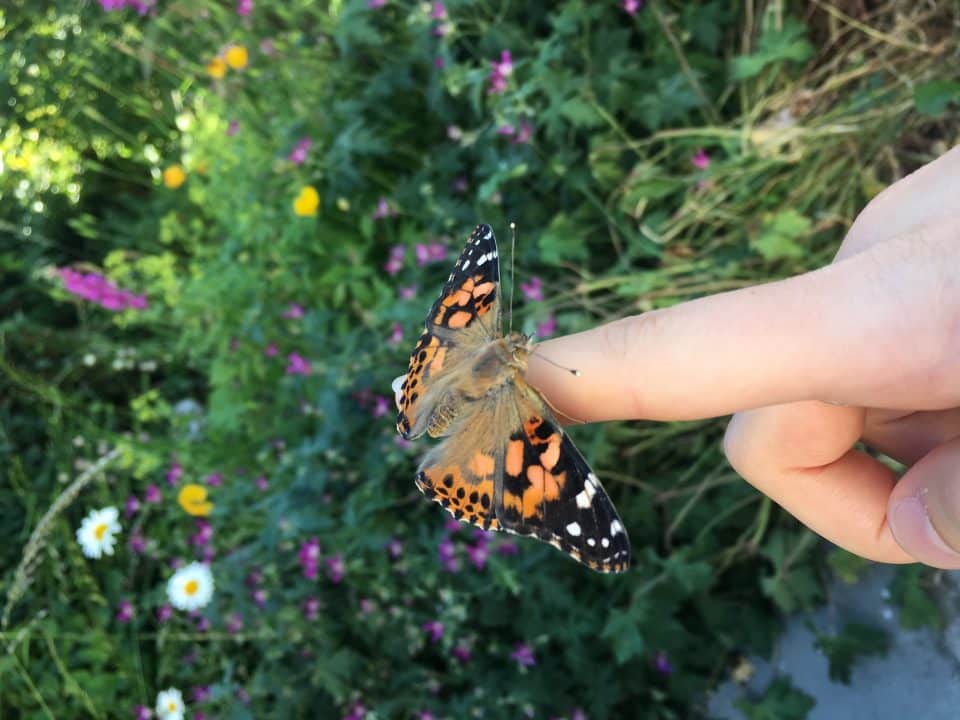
{"x": 605, "y": 542}
{"x": 574, "y": 529}
{"x": 616, "y": 527}
{"x": 591, "y": 542}
{"x": 466, "y": 264}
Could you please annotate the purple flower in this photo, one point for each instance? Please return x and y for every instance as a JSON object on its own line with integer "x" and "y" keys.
{"x": 396, "y": 334}
{"x": 700, "y": 159}
{"x": 524, "y": 134}
{"x": 507, "y": 547}
{"x": 523, "y": 655}
{"x": 661, "y": 663}
{"x": 297, "y": 365}
{"x": 203, "y": 624}
{"x": 500, "y": 72}
{"x": 631, "y": 6}
{"x": 548, "y": 327}
{"x": 138, "y": 543}
{"x": 271, "y": 350}
{"x": 244, "y": 7}
{"x": 578, "y": 714}
{"x": 254, "y": 577}
{"x": 425, "y": 715}
{"x": 452, "y": 525}
{"x": 335, "y": 568}
{"x": 261, "y": 483}
{"x": 507, "y": 130}
{"x": 367, "y": 606}
{"x": 478, "y": 555}
{"x": 447, "y": 552}
{"x": 381, "y": 406}
{"x": 152, "y": 495}
{"x": 532, "y": 290}
{"x": 174, "y": 473}
{"x": 142, "y": 712}
{"x": 438, "y": 11}
{"x": 97, "y": 289}
{"x": 214, "y": 479}
{"x": 374, "y": 4}
{"x": 434, "y": 629}
{"x": 460, "y": 185}
{"x": 428, "y": 253}
{"x": 407, "y": 292}
{"x": 164, "y": 613}
{"x": 125, "y": 611}
{"x": 462, "y": 652}
{"x": 200, "y": 693}
{"x": 132, "y": 506}
{"x": 233, "y": 128}
{"x": 234, "y": 623}
{"x": 311, "y": 608}
{"x": 402, "y": 443}
{"x": 394, "y": 549}
{"x": 383, "y": 210}
{"x": 309, "y": 558}
{"x": 294, "y": 312}
{"x": 395, "y": 263}
{"x": 259, "y": 597}
{"x": 299, "y": 153}
{"x": 203, "y": 535}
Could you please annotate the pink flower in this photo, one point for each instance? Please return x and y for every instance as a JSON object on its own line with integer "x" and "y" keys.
{"x": 125, "y": 612}
{"x": 271, "y": 350}
{"x": 309, "y": 558}
{"x": 311, "y": 608}
{"x": 428, "y": 253}
{"x": 374, "y": 4}
{"x": 402, "y": 443}
{"x": 383, "y": 210}
{"x": 700, "y": 159}
{"x": 532, "y": 290}
{"x": 394, "y": 549}
{"x": 164, "y": 613}
{"x": 434, "y": 630}
{"x": 234, "y": 623}
{"x": 138, "y": 543}
{"x": 524, "y": 134}
{"x": 335, "y": 568}
{"x": 500, "y": 72}
{"x": 200, "y": 693}
{"x": 507, "y": 130}
{"x": 174, "y": 473}
{"x": 132, "y": 506}
{"x": 97, "y": 289}
{"x": 407, "y": 292}
{"x": 152, "y": 495}
{"x": 548, "y": 327}
{"x": 299, "y": 153}
{"x": 381, "y": 406}
{"x": 259, "y": 597}
{"x": 478, "y": 555}
{"x": 447, "y": 552}
{"x": 294, "y": 312}
{"x": 203, "y": 535}
{"x": 438, "y": 11}
{"x": 214, "y": 479}
{"x": 142, "y": 712}
{"x": 631, "y": 6}
{"x": 395, "y": 263}
{"x": 396, "y": 334}
{"x": 462, "y": 652}
{"x": 244, "y": 7}
{"x": 233, "y": 128}
{"x": 267, "y": 47}
{"x": 523, "y": 655}
{"x": 507, "y": 547}
{"x": 452, "y": 525}
{"x": 261, "y": 483}
{"x": 297, "y": 365}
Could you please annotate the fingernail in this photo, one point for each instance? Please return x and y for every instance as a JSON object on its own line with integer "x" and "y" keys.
{"x": 914, "y": 532}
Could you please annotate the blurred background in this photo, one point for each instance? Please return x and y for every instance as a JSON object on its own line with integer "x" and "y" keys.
{"x": 221, "y": 226}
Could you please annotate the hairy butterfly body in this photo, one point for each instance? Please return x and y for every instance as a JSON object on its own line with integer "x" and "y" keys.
{"x": 504, "y": 462}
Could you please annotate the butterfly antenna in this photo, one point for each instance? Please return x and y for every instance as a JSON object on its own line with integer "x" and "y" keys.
{"x": 513, "y": 268}
{"x": 572, "y": 371}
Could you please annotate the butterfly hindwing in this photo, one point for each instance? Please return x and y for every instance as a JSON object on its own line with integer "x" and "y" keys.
{"x": 548, "y": 490}
{"x": 466, "y": 315}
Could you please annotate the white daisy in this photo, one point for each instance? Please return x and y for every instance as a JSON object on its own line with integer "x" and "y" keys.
{"x": 191, "y": 587}
{"x": 96, "y": 532}
{"x": 170, "y": 704}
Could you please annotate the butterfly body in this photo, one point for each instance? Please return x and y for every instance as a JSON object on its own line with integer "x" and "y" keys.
{"x": 504, "y": 462}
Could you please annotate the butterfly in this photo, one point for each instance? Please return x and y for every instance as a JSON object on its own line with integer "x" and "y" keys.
{"x": 504, "y": 462}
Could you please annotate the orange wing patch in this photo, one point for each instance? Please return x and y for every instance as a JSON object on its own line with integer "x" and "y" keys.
{"x": 427, "y": 358}
{"x": 473, "y": 298}
{"x": 529, "y": 465}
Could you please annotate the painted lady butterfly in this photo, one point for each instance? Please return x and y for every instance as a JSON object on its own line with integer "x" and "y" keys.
{"x": 505, "y": 463}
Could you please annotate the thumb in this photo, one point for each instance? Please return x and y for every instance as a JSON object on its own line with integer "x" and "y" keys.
{"x": 924, "y": 509}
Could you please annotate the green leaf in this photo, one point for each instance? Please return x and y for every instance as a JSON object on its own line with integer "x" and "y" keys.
{"x": 853, "y": 642}
{"x": 581, "y": 113}
{"x": 847, "y": 566}
{"x": 780, "y": 701}
{"x": 933, "y": 97}
{"x": 561, "y": 242}
{"x": 910, "y": 592}
{"x": 779, "y": 235}
{"x": 774, "y": 46}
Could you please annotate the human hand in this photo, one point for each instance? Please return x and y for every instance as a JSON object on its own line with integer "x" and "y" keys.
{"x": 865, "y": 349}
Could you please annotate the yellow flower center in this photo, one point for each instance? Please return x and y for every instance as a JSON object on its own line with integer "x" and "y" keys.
{"x": 191, "y": 587}
{"x": 100, "y": 531}
{"x": 193, "y": 499}
{"x": 172, "y": 706}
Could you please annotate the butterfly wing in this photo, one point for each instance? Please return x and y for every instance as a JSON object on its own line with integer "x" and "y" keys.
{"x": 466, "y": 315}
{"x": 507, "y": 465}
{"x": 548, "y": 490}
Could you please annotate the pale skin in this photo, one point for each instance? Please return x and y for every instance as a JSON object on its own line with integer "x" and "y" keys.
{"x": 865, "y": 349}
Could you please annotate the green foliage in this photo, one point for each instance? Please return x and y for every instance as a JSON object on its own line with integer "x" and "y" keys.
{"x": 912, "y": 593}
{"x": 853, "y": 642}
{"x": 849, "y": 568}
{"x": 936, "y": 96}
{"x": 780, "y": 701}
{"x": 590, "y": 149}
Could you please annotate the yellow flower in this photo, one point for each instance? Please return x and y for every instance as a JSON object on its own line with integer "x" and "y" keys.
{"x": 193, "y": 499}
{"x": 174, "y": 177}
{"x": 217, "y": 68}
{"x": 236, "y": 57}
{"x": 307, "y": 201}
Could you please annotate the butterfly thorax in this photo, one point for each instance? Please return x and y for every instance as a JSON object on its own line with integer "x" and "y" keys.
{"x": 498, "y": 363}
